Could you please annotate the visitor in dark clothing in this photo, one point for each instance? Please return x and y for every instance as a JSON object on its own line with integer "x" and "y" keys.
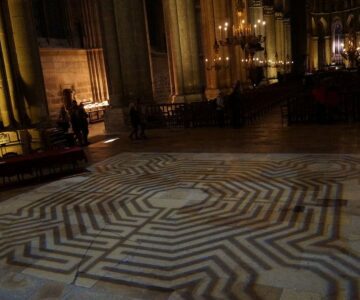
{"x": 63, "y": 120}
{"x": 235, "y": 105}
{"x": 134, "y": 120}
{"x": 141, "y": 109}
{"x": 75, "y": 122}
{"x": 83, "y": 124}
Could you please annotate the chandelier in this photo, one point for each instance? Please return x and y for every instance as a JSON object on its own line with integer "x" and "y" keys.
{"x": 248, "y": 36}
{"x": 351, "y": 52}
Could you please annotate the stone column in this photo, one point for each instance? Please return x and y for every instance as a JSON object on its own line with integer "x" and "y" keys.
{"x": 279, "y": 29}
{"x": 112, "y": 53}
{"x": 314, "y": 52}
{"x": 209, "y": 36}
{"x": 28, "y": 59}
{"x": 8, "y": 105}
{"x": 238, "y": 71}
{"x": 328, "y": 50}
{"x": 5, "y": 106}
{"x": 256, "y": 13}
{"x": 94, "y": 50}
{"x": 10, "y": 69}
{"x": 222, "y": 11}
{"x": 132, "y": 37}
{"x": 126, "y": 46}
{"x": 269, "y": 18}
{"x": 180, "y": 19}
{"x": 287, "y": 45}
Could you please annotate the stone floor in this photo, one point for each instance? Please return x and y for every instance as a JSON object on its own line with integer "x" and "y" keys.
{"x": 264, "y": 212}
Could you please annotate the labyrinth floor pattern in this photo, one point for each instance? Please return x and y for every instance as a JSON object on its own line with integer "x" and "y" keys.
{"x": 196, "y": 226}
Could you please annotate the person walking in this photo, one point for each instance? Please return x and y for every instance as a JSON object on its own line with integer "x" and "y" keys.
{"x": 75, "y": 122}
{"x": 134, "y": 120}
{"x": 235, "y": 105}
{"x": 220, "y": 109}
{"x": 63, "y": 121}
{"x": 83, "y": 124}
{"x": 142, "y": 118}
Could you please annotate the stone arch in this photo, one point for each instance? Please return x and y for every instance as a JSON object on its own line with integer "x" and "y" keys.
{"x": 350, "y": 23}
{"x": 337, "y": 32}
{"x": 322, "y": 33}
{"x": 324, "y": 25}
{"x": 313, "y": 27}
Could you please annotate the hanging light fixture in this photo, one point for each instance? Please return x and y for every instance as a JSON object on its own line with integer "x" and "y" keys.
{"x": 351, "y": 51}
{"x": 249, "y": 37}
{"x": 218, "y": 62}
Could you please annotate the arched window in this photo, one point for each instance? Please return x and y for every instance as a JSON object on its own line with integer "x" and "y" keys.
{"x": 321, "y": 45}
{"x": 338, "y": 41}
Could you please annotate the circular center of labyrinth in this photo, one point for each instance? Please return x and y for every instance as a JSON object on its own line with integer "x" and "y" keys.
{"x": 177, "y": 198}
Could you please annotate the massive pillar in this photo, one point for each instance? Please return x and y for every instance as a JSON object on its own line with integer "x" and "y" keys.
{"x": 126, "y": 47}
{"x": 328, "y": 50}
{"x": 219, "y": 63}
{"x": 8, "y": 107}
{"x": 279, "y": 26}
{"x": 270, "y": 45}
{"x": 93, "y": 45}
{"x": 315, "y": 52}
{"x": 237, "y": 55}
{"x": 5, "y": 105}
{"x": 183, "y": 45}
{"x": 256, "y": 12}
{"x": 209, "y": 38}
{"x": 28, "y": 60}
{"x": 287, "y": 45}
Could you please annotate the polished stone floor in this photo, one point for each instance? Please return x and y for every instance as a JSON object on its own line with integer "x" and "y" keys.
{"x": 267, "y": 212}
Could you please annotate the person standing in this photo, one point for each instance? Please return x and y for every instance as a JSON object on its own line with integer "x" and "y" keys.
{"x": 134, "y": 120}
{"x": 75, "y": 121}
{"x": 63, "y": 120}
{"x": 84, "y": 125}
{"x": 142, "y": 118}
{"x": 235, "y": 105}
{"x": 220, "y": 109}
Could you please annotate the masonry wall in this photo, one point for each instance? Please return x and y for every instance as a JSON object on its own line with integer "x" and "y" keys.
{"x": 64, "y": 69}
{"x": 161, "y": 77}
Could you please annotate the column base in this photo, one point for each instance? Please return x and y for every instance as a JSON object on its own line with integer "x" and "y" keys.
{"x": 186, "y": 98}
{"x": 212, "y": 93}
{"x": 115, "y": 121}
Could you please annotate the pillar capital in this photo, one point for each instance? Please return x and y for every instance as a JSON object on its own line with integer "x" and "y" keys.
{"x": 269, "y": 10}
{"x": 279, "y": 15}
{"x": 255, "y": 3}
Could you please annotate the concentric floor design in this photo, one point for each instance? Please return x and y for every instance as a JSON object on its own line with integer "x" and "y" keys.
{"x": 196, "y": 226}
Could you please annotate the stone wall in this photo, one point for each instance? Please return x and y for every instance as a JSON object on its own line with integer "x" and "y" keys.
{"x": 161, "y": 77}
{"x": 63, "y": 69}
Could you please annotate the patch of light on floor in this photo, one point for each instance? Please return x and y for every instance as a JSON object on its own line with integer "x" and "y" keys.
{"x": 110, "y": 141}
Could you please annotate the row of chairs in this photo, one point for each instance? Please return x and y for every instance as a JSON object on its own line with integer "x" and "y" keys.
{"x": 17, "y": 168}
{"x": 253, "y": 105}
{"x": 303, "y": 108}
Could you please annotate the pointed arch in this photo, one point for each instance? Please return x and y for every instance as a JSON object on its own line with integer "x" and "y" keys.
{"x": 337, "y": 32}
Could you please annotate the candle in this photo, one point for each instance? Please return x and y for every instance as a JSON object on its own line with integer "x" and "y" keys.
{"x": 220, "y": 29}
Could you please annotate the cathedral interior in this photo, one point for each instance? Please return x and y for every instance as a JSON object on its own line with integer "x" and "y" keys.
{"x": 246, "y": 185}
